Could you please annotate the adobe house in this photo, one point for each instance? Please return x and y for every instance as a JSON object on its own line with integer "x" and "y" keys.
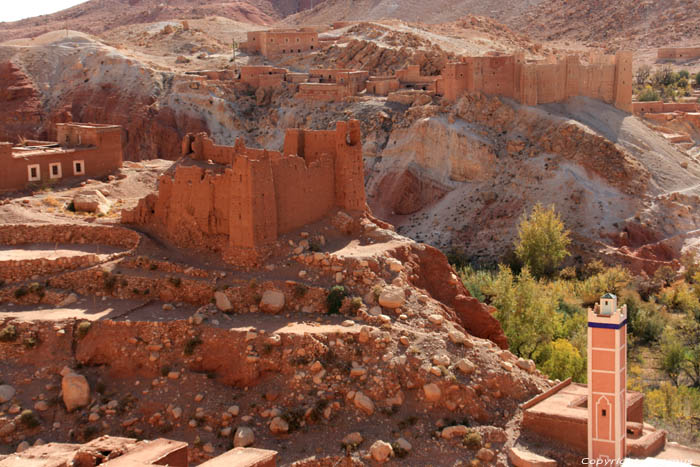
{"x": 333, "y": 84}
{"x": 281, "y": 41}
{"x": 601, "y": 420}
{"x": 604, "y": 77}
{"x": 83, "y": 150}
{"x": 678, "y": 53}
{"x": 237, "y": 200}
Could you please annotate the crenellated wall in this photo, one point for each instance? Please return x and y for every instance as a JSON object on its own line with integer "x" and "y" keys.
{"x": 233, "y": 197}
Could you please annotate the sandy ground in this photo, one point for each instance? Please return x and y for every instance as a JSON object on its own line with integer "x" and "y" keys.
{"x": 46, "y": 251}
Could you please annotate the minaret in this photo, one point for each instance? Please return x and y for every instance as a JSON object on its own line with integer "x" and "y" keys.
{"x": 607, "y": 379}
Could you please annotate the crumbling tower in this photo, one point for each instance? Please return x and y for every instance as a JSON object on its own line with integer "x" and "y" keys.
{"x": 607, "y": 379}
{"x": 623, "y": 81}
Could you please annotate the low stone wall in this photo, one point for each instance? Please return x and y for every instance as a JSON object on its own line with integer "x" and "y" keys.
{"x": 21, "y": 234}
{"x": 22, "y": 270}
{"x": 639, "y": 108}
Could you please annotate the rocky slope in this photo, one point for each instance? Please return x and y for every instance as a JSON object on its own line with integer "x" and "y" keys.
{"x": 409, "y": 10}
{"x": 97, "y": 16}
{"x": 613, "y": 24}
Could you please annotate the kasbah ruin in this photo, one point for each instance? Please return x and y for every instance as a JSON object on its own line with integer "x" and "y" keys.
{"x": 350, "y": 233}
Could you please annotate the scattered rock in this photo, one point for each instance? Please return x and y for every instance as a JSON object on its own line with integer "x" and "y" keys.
{"x": 76, "y": 391}
{"x": 69, "y": 300}
{"x": 279, "y": 426}
{"x": 381, "y": 451}
{"x": 7, "y": 429}
{"x": 436, "y": 319}
{"x": 353, "y": 439}
{"x": 523, "y": 458}
{"x": 244, "y": 437}
{"x": 404, "y": 444}
{"x": 466, "y": 366}
{"x": 222, "y": 301}
{"x": 7, "y": 392}
{"x": 456, "y": 430}
{"x": 272, "y": 301}
{"x": 392, "y": 297}
{"x": 527, "y": 365}
{"x": 23, "y": 446}
{"x": 364, "y": 403}
{"x": 432, "y": 392}
{"x": 485, "y": 454}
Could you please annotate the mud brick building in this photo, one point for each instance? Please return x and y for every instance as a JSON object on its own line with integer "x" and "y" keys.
{"x": 236, "y": 199}
{"x": 281, "y": 41}
{"x": 83, "y": 150}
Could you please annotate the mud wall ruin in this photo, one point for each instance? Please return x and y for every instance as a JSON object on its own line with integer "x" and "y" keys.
{"x": 281, "y": 41}
{"x": 82, "y": 150}
{"x": 663, "y": 107}
{"x": 678, "y": 53}
{"x": 607, "y": 78}
{"x": 231, "y": 197}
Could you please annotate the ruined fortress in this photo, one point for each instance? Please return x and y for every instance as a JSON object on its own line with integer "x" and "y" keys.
{"x": 82, "y": 150}
{"x": 607, "y": 78}
{"x": 237, "y": 200}
{"x": 678, "y": 53}
{"x": 604, "y": 77}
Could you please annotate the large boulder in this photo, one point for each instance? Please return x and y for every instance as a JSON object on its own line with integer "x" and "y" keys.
{"x": 91, "y": 201}
{"x": 381, "y": 451}
{"x": 392, "y": 297}
{"x": 222, "y": 301}
{"x": 272, "y": 301}
{"x": 76, "y": 391}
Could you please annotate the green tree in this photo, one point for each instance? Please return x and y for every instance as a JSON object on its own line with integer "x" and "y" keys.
{"x": 526, "y": 311}
{"x": 564, "y": 361}
{"x": 542, "y": 241}
{"x": 672, "y": 356}
{"x": 697, "y": 79}
{"x": 648, "y": 94}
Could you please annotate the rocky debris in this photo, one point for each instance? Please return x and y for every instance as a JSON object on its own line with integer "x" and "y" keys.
{"x": 7, "y": 429}
{"x": 432, "y": 392}
{"x": 272, "y": 301}
{"x": 392, "y": 297}
{"x": 76, "y": 390}
{"x": 182, "y": 59}
{"x": 91, "y": 201}
{"x": 381, "y": 451}
{"x": 363, "y": 403}
{"x": 7, "y": 392}
{"x": 222, "y": 301}
{"x": 244, "y": 437}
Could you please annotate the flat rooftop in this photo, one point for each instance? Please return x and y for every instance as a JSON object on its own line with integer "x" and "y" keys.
{"x": 571, "y": 401}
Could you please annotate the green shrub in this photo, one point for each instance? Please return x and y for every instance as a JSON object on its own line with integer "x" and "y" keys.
{"x": 334, "y": 300}
{"x": 82, "y": 329}
{"x": 564, "y": 361}
{"x": 21, "y": 292}
{"x": 355, "y": 303}
{"x": 684, "y": 74}
{"x": 472, "y": 441}
{"x": 192, "y": 344}
{"x": 542, "y": 241}
{"x": 29, "y": 419}
{"x": 680, "y": 299}
{"x": 8, "y": 333}
{"x": 176, "y": 281}
{"x": 648, "y": 94}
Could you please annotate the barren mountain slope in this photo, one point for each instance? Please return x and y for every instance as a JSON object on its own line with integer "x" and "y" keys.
{"x": 620, "y": 23}
{"x": 96, "y": 16}
{"x": 410, "y": 10}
